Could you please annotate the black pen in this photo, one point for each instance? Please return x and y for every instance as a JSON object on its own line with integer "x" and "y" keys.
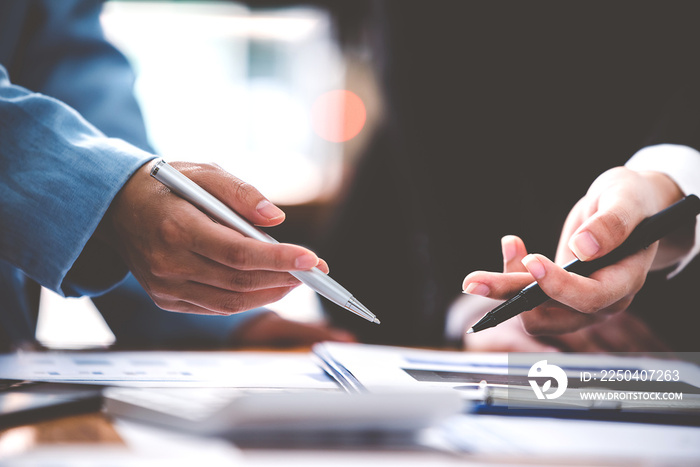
{"x": 647, "y": 232}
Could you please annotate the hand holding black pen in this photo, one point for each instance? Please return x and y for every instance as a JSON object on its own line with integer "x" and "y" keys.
{"x": 647, "y": 232}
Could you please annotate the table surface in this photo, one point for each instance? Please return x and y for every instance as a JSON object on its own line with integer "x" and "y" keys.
{"x": 96, "y": 430}
{"x": 95, "y": 435}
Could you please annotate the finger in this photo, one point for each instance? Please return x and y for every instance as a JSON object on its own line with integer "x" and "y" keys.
{"x": 501, "y": 286}
{"x": 219, "y": 243}
{"x": 579, "y": 296}
{"x": 234, "y": 280}
{"x": 323, "y": 266}
{"x": 514, "y": 251}
{"x": 181, "y": 306}
{"x": 607, "y": 228}
{"x": 216, "y": 300}
{"x": 231, "y": 302}
{"x": 495, "y": 285}
{"x": 193, "y": 230}
{"x": 585, "y": 294}
{"x": 236, "y": 194}
{"x": 579, "y": 213}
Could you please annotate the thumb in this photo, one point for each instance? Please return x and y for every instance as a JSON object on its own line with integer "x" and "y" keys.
{"x": 604, "y": 231}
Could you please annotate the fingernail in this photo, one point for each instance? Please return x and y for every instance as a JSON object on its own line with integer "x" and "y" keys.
{"x": 268, "y": 210}
{"x": 475, "y": 288}
{"x": 305, "y": 262}
{"x": 534, "y": 266}
{"x": 508, "y": 247}
{"x": 584, "y": 245}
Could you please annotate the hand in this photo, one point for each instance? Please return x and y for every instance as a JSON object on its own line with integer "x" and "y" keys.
{"x": 622, "y": 332}
{"x": 188, "y": 263}
{"x": 615, "y": 203}
{"x": 271, "y": 330}
{"x": 509, "y": 336}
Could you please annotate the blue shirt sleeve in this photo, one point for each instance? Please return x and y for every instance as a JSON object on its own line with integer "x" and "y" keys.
{"x": 67, "y": 57}
{"x": 58, "y": 176}
{"x": 57, "y": 48}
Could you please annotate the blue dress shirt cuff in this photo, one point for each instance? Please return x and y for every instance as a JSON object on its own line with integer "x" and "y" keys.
{"x": 58, "y": 177}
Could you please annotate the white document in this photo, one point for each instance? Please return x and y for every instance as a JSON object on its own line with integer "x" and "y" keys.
{"x": 303, "y": 415}
{"x": 169, "y": 369}
{"x": 580, "y": 440}
{"x": 360, "y": 367}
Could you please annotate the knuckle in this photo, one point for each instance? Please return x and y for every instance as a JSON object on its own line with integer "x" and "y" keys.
{"x": 177, "y": 307}
{"x": 160, "y": 267}
{"x": 237, "y": 256}
{"x": 558, "y": 288}
{"x": 636, "y": 284}
{"x": 164, "y": 301}
{"x": 158, "y": 297}
{"x": 181, "y": 306}
{"x": 244, "y": 191}
{"x": 162, "y": 295}
{"x": 160, "y": 302}
{"x": 282, "y": 256}
{"x": 589, "y": 306}
{"x": 242, "y": 282}
{"x": 602, "y": 300}
{"x": 595, "y": 302}
{"x": 231, "y": 303}
{"x": 168, "y": 307}
{"x": 170, "y": 232}
{"x": 616, "y": 223}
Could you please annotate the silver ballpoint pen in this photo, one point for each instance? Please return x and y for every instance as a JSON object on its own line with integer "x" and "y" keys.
{"x": 314, "y": 278}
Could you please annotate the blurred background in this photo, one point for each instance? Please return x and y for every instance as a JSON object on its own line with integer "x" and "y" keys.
{"x": 277, "y": 102}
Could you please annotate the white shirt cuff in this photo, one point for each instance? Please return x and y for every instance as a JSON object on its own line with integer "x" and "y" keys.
{"x": 682, "y": 164}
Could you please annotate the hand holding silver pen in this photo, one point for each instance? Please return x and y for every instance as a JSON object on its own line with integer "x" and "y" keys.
{"x": 314, "y": 278}
{"x": 186, "y": 262}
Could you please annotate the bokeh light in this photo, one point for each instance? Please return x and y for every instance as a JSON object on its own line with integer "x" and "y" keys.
{"x": 338, "y": 115}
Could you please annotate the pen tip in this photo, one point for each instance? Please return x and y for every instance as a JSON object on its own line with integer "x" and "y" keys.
{"x": 471, "y": 331}
{"x": 376, "y": 320}
{"x": 360, "y": 310}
